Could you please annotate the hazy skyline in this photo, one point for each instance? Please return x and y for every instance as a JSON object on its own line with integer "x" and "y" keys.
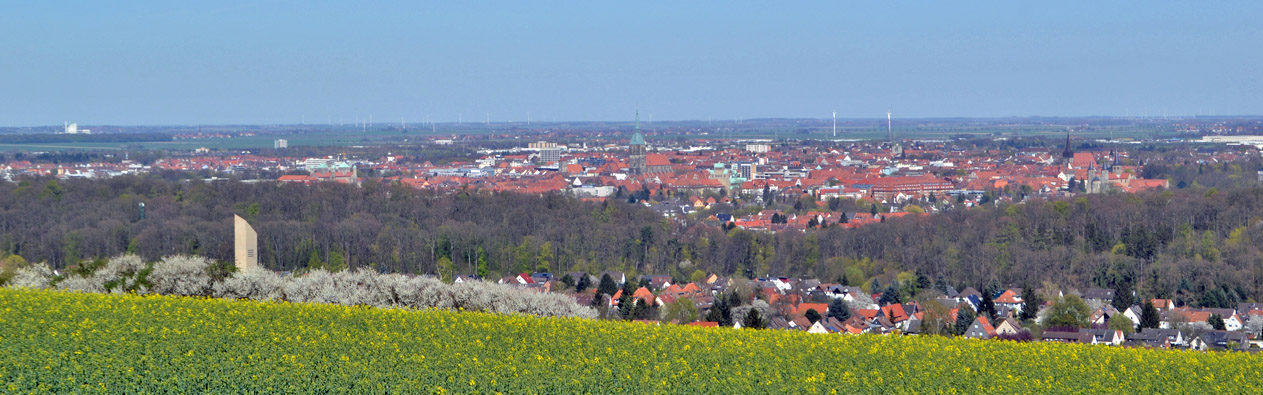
{"x": 145, "y": 63}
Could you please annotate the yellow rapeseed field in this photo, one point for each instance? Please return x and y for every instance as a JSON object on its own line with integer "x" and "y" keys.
{"x": 58, "y": 342}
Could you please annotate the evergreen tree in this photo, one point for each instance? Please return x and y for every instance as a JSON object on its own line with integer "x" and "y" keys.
{"x": 720, "y": 312}
{"x": 314, "y": 262}
{"x": 1216, "y": 321}
{"x": 986, "y": 307}
{"x": 1030, "y": 303}
{"x": 754, "y": 320}
{"x": 890, "y": 295}
{"x": 569, "y": 281}
{"x": 336, "y": 262}
{"x": 874, "y": 286}
{"x": 1123, "y": 297}
{"x": 812, "y": 315}
{"x": 940, "y": 284}
{"x": 583, "y": 283}
{"x": 964, "y": 318}
{"x": 923, "y": 283}
{"x": 1149, "y": 316}
{"x": 482, "y": 270}
{"x": 626, "y": 306}
{"x": 607, "y": 285}
{"x": 839, "y": 310}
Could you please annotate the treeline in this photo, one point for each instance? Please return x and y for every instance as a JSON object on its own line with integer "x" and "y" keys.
{"x": 1183, "y": 244}
{"x": 82, "y": 138}
{"x": 197, "y": 276}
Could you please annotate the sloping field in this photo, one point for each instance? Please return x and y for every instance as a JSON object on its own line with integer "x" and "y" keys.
{"x": 88, "y": 343}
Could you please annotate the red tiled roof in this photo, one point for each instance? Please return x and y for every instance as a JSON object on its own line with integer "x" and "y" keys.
{"x": 818, "y": 307}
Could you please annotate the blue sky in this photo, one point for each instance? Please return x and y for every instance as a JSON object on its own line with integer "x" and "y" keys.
{"x": 149, "y": 62}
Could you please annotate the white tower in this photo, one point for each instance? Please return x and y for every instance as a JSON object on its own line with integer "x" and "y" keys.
{"x": 835, "y": 124}
{"x": 890, "y": 136}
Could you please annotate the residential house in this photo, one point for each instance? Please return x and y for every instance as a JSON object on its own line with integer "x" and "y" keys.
{"x": 1062, "y": 336}
{"x": 1105, "y": 336}
{"x": 1011, "y": 298}
{"x": 618, "y": 277}
{"x": 1134, "y": 313}
{"x": 1008, "y": 326}
{"x": 1220, "y": 340}
{"x": 980, "y": 329}
{"x": 1156, "y": 338}
{"x": 802, "y": 308}
{"x": 1101, "y": 315}
{"x": 1098, "y": 295}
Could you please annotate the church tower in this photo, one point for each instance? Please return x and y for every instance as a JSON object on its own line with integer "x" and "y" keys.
{"x": 636, "y": 150}
{"x": 1068, "y": 154}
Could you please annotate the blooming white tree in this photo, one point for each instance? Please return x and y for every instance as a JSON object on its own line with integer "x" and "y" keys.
{"x": 1254, "y": 325}
{"x": 188, "y": 276}
{"x": 120, "y": 274}
{"x": 34, "y": 276}
{"x": 765, "y": 310}
{"x": 181, "y": 275}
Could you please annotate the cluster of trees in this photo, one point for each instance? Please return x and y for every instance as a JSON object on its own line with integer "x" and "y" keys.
{"x": 198, "y": 276}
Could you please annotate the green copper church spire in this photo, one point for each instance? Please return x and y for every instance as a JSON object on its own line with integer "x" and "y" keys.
{"x": 637, "y": 138}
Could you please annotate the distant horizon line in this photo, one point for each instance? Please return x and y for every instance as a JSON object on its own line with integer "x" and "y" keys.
{"x": 722, "y": 120}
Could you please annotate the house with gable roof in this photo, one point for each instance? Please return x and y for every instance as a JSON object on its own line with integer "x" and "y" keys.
{"x": 981, "y": 329}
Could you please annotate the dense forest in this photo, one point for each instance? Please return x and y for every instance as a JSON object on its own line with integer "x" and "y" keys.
{"x": 1196, "y": 244}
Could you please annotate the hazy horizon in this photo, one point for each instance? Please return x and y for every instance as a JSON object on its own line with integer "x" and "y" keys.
{"x": 280, "y": 63}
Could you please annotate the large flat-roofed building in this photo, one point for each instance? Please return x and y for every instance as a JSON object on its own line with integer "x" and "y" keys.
{"x": 758, "y": 148}
{"x": 550, "y": 155}
{"x": 245, "y": 244}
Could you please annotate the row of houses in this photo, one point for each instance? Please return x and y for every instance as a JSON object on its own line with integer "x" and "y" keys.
{"x": 789, "y": 302}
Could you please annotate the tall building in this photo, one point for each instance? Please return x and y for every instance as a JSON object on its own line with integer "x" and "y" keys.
{"x": 636, "y": 150}
{"x": 550, "y": 155}
{"x": 748, "y": 170}
{"x": 245, "y": 244}
{"x": 280, "y": 143}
